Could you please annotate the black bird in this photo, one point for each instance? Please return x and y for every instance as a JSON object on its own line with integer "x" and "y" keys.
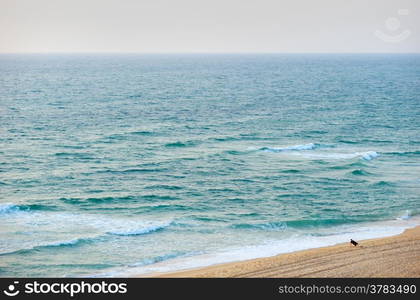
{"x": 354, "y": 243}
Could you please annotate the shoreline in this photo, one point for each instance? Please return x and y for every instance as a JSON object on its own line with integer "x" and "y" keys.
{"x": 393, "y": 256}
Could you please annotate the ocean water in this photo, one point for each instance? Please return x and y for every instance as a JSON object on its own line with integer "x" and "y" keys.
{"x": 114, "y": 165}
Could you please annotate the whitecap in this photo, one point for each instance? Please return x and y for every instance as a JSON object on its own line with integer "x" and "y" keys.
{"x": 309, "y": 146}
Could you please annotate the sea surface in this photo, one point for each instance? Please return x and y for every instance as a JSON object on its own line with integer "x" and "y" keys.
{"x": 114, "y": 165}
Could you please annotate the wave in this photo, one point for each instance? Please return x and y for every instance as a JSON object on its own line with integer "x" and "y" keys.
{"x": 296, "y": 241}
{"x": 105, "y": 199}
{"x": 110, "y": 199}
{"x": 154, "y": 197}
{"x": 365, "y": 141}
{"x": 69, "y": 147}
{"x": 348, "y": 142}
{"x": 68, "y": 242}
{"x": 346, "y": 165}
{"x": 54, "y": 244}
{"x": 383, "y": 184}
{"x": 141, "y": 170}
{"x": 159, "y": 258}
{"x": 142, "y": 230}
{"x": 363, "y": 155}
{"x": 163, "y": 207}
{"x": 315, "y": 223}
{"x": 142, "y": 133}
{"x": 133, "y": 170}
{"x": 122, "y": 272}
{"x": 6, "y": 208}
{"x": 164, "y": 187}
{"x": 271, "y": 226}
{"x": 240, "y": 137}
{"x": 135, "y": 96}
{"x": 303, "y": 150}
{"x": 290, "y": 171}
{"x": 406, "y": 153}
{"x": 306, "y": 223}
{"x": 405, "y": 216}
{"x": 369, "y": 155}
{"x": 181, "y": 144}
{"x": 313, "y": 132}
{"x": 125, "y": 136}
{"x": 309, "y": 146}
{"x": 42, "y": 226}
{"x": 74, "y": 155}
{"x": 225, "y": 139}
{"x": 360, "y": 172}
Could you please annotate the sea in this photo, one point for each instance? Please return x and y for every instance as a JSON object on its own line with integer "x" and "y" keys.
{"x": 134, "y": 164}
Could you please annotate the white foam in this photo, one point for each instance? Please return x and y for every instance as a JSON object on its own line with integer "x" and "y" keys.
{"x": 369, "y": 155}
{"x": 46, "y": 243}
{"x": 28, "y": 229}
{"x": 143, "y": 228}
{"x": 8, "y": 208}
{"x": 65, "y": 243}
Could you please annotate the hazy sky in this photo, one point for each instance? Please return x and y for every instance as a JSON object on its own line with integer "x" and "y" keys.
{"x": 209, "y": 26}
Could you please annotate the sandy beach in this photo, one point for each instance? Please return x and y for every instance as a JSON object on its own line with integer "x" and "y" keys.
{"x": 396, "y": 256}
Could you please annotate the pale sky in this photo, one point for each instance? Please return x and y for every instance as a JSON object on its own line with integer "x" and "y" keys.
{"x": 209, "y": 26}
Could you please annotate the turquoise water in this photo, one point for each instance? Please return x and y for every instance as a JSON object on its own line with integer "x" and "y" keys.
{"x": 113, "y": 165}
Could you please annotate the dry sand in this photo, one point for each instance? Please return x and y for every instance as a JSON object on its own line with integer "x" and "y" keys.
{"x": 396, "y": 256}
